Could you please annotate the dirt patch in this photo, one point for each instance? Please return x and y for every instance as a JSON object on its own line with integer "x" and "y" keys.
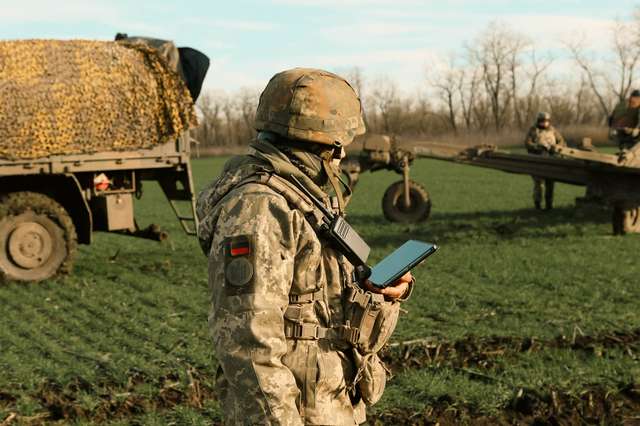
{"x": 551, "y": 407}
{"x": 79, "y": 399}
{"x": 483, "y": 352}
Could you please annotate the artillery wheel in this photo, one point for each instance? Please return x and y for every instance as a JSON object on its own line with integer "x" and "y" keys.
{"x": 37, "y": 237}
{"x": 393, "y": 203}
{"x": 626, "y": 220}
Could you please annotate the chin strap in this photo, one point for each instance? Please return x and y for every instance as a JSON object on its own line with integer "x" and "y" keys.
{"x": 333, "y": 175}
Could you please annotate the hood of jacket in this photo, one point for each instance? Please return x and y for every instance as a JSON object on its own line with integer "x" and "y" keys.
{"x": 263, "y": 158}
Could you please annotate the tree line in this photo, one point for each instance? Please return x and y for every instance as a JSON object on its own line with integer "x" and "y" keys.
{"x": 496, "y": 82}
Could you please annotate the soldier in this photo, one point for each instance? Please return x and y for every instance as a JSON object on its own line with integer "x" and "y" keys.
{"x": 541, "y": 140}
{"x": 296, "y": 337}
{"x": 624, "y": 122}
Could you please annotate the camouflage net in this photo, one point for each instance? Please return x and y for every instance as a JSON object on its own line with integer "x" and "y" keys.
{"x": 79, "y": 97}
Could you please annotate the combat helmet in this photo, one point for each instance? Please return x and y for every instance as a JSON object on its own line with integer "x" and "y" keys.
{"x": 543, "y": 116}
{"x": 310, "y": 105}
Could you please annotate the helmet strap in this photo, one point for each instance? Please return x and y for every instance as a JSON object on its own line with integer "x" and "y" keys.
{"x": 337, "y": 150}
{"x": 327, "y": 158}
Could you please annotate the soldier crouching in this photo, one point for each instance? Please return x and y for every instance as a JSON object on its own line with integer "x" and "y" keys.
{"x": 295, "y": 336}
{"x": 540, "y": 140}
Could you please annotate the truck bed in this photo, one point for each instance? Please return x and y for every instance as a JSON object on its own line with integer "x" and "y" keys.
{"x": 166, "y": 155}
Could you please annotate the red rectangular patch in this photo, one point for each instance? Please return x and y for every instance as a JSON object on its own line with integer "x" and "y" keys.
{"x": 239, "y": 246}
{"x": 240, "y": 251}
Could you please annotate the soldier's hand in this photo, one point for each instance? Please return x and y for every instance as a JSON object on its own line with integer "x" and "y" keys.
{"x": 393, "y": 291}
{"x": 624, "y": 156}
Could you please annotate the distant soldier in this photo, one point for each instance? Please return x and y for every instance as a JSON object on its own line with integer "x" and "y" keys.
{"x": 624, "y": 122}
{"x": 541, "y": 140}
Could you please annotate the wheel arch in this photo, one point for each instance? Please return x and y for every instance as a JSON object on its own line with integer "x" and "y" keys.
{"x": 63, "y": 188}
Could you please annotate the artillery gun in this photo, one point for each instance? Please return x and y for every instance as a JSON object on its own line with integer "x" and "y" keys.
{"x": 403, "y": 201}
{"x": 82, "y": 125}
{"x": 612, "y": 179}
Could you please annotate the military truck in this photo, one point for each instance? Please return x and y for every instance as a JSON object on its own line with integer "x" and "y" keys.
{"x": 82, "y": 125}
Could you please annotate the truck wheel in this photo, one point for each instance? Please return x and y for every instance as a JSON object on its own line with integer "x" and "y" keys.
{"x": 37, "y": 237}
{"x": 394, "y": 208}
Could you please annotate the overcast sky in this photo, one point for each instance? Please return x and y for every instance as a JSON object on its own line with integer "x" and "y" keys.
{"x": 250, "y": 40}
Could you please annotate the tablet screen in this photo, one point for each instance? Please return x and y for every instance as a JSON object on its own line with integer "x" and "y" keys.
{"x": 400, "y": 261}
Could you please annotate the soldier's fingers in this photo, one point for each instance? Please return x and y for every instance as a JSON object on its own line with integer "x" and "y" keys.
{"x": 406, "y": 278}
{"x": 372, "y": 288}
{"x": 395, "y": 292}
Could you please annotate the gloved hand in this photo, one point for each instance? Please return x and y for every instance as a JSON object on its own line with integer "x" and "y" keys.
{"x": 544, "y": 146}
{"x": 635, "y": 132}
{"x": 624, "y": 156}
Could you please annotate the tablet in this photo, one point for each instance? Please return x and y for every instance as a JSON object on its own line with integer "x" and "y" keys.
{"x": 398, "y": 263}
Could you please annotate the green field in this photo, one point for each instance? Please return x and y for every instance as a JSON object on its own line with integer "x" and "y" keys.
{"x": 522, "y": 316}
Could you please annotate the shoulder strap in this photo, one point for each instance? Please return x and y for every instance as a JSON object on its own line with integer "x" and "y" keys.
{"x": 294, "y": 196}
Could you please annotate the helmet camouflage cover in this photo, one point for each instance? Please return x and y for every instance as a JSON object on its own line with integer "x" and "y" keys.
{"x": 310, "y": 105}
{"x": 544, "y": 116}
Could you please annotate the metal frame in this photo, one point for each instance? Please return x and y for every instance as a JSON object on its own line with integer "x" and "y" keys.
{"x": 168, "y": 164}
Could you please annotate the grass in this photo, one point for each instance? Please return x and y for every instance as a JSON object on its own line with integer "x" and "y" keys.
{"x": 124, "y": 340}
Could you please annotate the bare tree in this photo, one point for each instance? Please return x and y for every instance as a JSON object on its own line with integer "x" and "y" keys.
{"x": 613, "y": 78}
{"x": 495, "y": 50}
{"x": 384, "y": 99}
{"x": 525, "y": 99}
{"x": 446, "y": 84}
{"x": 355, "y": 77}
{"x": 247, "y": 102}
{"x": 592, "y": 76}
{"x": 209, "y": 130}
{"x": 467, "y": 87}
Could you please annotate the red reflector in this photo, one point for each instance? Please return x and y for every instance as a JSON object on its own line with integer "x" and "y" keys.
{"x": 239, "y": 251}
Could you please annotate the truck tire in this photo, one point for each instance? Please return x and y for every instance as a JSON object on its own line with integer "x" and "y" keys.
{"x": 626, "y": 219}
{"x": 37, "y": 237}
{"x": 393, "y": 204}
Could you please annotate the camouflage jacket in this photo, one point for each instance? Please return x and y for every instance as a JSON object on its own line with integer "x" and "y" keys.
{"x": 623, "y": 121}
{"x": 268, "y": 269}
{"x": 624, "y": 116}
{"x": 540, "y": 140}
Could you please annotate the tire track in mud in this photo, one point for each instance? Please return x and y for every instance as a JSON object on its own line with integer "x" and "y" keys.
{"x": 482, "y": 352}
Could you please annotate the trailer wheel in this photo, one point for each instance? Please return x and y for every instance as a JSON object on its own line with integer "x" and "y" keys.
{"x": 37, "y": 237}
{"x": 394, "y": 208}
{"x": 626, "y": 220}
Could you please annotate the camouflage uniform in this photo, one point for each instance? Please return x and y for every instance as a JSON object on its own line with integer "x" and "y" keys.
{"x": 539, "y": 141}
{"x": 624, "y": 123}
{"x": 282, "y": 298}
